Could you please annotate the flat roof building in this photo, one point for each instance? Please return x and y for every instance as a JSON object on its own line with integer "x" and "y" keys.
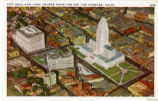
{"x": 30, "y": 38}
{"x": 60, "y": 59}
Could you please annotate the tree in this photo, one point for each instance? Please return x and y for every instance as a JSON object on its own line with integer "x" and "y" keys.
{"x": 47, "y": 92}
{"x": 15, "y": 75}
{"x": 45, "y": 88}
{"x": 38, "y": 80}
{"x": 23, "y": 73}
{"x": 23, "y": 14}
{"x": 35, "y": 87}
{"x": 30, "y": 80}
{"x": 11, "y": 15}
{"x": 17, "y": 25}
{"x": 21, "y": 20}
{"x": 24, "y": 92}
{"x": 42, "y": 94}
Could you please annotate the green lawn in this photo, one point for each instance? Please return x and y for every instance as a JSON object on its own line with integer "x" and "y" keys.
{"x": 11, "y": 91}
{"x": 40, "y": 59}
{"x": 59, "y": 51}
{"x": 72, "y": 48}
{"x": 133, "y": 68}
{"x": 80, "y": 54}
{"x": 124, "y": 65}
{"x": 112, "y": 70}
{"x": 99, "y": 67}
{"x": 77, "y": 52}
{"x": 129, "y": 75}
{"x": 117, "y": 77}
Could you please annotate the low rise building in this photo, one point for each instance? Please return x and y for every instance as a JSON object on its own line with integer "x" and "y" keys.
{"x": 78, "y": 38}
{"x": 123, "y": 42}
{"x": 140, "y": 16}
{"x": 67, "y": 80}
{"x": 120, "y": 92}
{"x": 83, "y": 70}
{"x": 124, "y": 25}
{"x": 140, "y": 47}
{"x": 92, "y": 78}
{"x": 149, "y": 80}
{"x": 143, "y": 15}
{"x": 13, "y": 53}
{"x": 19, "y": 61}
{"x": 83, "y": 89}
{"x": 149, "y": 40}
{"x": 100, "y": 91}
{"x": 128, "y": 51}
{"x": 50, "y": 79}
{"x": 54, "y": 88}
{"x": 149, "y": 51}
{"x": 10, "y": 68}
{"x": 105, "y": 85}
{"x": 141, "y": 59}
{"x": 92, "y": 31}
{"x": 61, "y": 92}
{"x": 31, "y": 10}
{"x": 97, "y": 13}
{"x": 139, "y": 89}
{"x": 72, "y": 73}
{"x": 147, "y": 29}
{"x": 113, "y": 36}
{"x": 103, "y": 12}
{"x": 150, "y": 66}
{"x": 60, "y": 11}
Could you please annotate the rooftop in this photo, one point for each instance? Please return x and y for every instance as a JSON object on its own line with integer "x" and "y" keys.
{"x": 109, "y": 47}
{"x": 149, "y": 10}
{"x": 86, "y": 48}
{"x": 29, "y": 31}
{"x": 56, "y": 53}
{"x": 117, "y": 55}
{"x": 94, "y": 39}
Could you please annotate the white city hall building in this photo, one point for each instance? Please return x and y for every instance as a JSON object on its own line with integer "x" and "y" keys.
{"x": 56, "y": 60}
{"x": 99, "y": 50}
{"x": 30, "y": 38}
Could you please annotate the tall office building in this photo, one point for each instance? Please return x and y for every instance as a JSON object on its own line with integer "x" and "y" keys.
{"x": 102, "y": 36}
{"x": 99, "y": 50}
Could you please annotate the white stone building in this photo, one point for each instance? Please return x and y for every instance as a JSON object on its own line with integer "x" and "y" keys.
{"x": 102, "y": 36}
{"x": 62, "y": 60}
{"x": 30, "y": 38}
{"x": 99, "y": 50}
{"x": 83, "y": 70}
{"x": 50, "y": 79}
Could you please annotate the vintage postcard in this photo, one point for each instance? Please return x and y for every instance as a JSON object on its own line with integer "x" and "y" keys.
{"x": 101, "y": 49}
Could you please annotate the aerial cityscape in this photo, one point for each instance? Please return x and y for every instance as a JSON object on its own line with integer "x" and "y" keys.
{"x": 80, "y": 51}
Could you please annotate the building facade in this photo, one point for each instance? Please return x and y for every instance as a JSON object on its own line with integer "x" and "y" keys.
{"x": 62, "y": 60}
{"x": 50, "y": 79}
{"x": 102, "y": 36}
{"x": 99, "y": 50}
